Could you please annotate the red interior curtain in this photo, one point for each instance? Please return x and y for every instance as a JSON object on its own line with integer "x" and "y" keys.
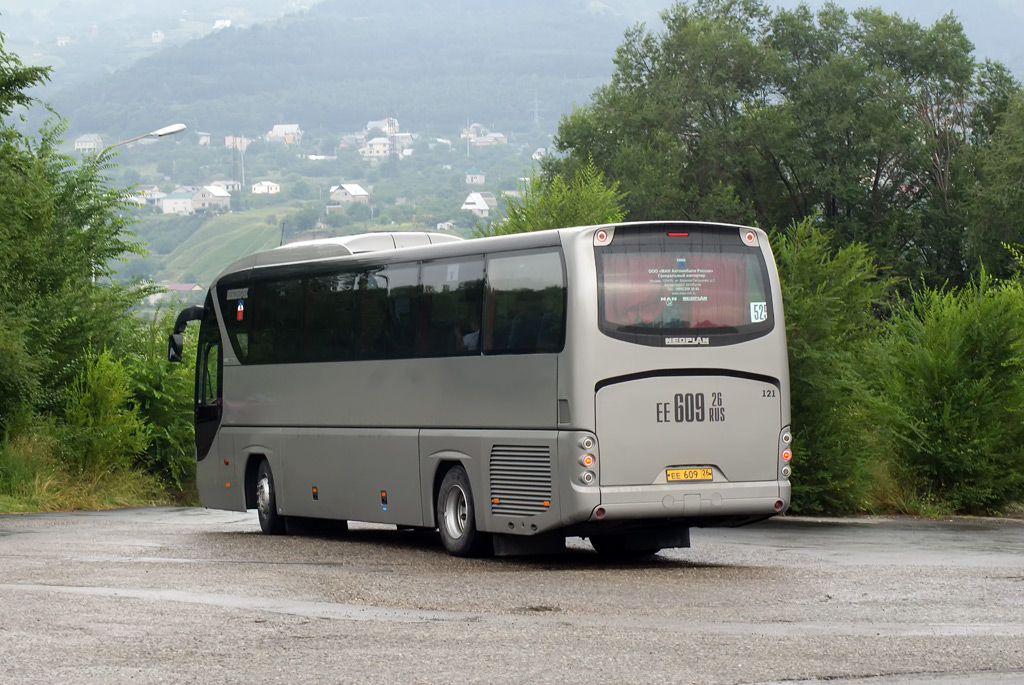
{"x": 632, "y": 293}
{"x": 725, "y": 285}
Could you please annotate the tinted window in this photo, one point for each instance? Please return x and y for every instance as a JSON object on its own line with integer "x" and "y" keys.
{"x": 399, "y": 311}
{"x": 330, "y": 317}
{"x": 655, "y": 285}
{"x": 277, "y": 321}
{"x": 525, "y": 303}
{"x": 402, "y": 306}
{"x": 233, "y": 294}
{"x": 451, "y": 307}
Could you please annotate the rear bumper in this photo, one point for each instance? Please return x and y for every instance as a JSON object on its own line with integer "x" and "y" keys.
{"x": 703, "y": 501}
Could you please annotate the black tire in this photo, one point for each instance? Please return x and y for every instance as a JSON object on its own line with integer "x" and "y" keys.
{"x": 271, "y": 522}
{"x": 618, "y": 547}
{"x": 456, "y": 517}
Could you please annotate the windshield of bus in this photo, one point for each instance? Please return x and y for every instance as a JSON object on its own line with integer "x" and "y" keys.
{"x": 682, "y": 285}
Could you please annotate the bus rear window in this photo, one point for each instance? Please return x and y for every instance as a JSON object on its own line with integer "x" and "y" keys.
{"x": 662, "y": 287}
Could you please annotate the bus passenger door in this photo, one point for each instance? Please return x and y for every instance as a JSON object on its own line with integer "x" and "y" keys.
{"x": 209, "y": 397}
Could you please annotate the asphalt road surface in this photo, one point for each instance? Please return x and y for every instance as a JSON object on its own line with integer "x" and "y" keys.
{"x": 195, "y": 596}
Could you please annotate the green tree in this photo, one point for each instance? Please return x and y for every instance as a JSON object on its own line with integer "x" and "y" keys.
{"x": 65, "y": 390}
{"x": 358, "y": 211}
{"x": 997, "y": 200}
{"x": 737, "y": 113}
{"x": 554, "y": 203}
{"x": 299, "y": 222}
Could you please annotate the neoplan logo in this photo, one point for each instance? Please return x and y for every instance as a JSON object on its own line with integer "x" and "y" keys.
{"x": 700, "y": 340}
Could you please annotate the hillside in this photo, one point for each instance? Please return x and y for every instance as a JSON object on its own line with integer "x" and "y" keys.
{"x": 433, "y": 65}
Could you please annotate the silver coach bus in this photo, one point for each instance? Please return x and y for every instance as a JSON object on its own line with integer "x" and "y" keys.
{"x": 622, "y": 382}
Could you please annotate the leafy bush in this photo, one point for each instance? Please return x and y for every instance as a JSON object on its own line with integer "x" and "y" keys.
{"x": 163, "y": 394}
{"x": 19, "y": 371}
{"x": 951, "y": 369}
{"x": 829, "y": 298}
{"x": 584, "y": 199}
{"x": 103, "y": 430}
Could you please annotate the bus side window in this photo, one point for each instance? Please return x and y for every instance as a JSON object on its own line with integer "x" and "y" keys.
{"x": 403, "y": 296}
{"x": 525, "y": 303}
{"x": 210, "y": 390}
{"x": 451, "y": 305}
{"x": 277, "y": 321}
{"x": 330, "y": 303}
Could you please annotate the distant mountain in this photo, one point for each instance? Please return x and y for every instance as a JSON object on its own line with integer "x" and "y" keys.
{"x": 515, "y": 67}
{"x": 437, "y": 65}
{"x": 85, "y": 39}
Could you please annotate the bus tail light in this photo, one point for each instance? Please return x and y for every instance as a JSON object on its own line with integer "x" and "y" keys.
{"x": 785, "y": 453}
{"x": 587, "y": 458}
{"x": 749, "y": 237}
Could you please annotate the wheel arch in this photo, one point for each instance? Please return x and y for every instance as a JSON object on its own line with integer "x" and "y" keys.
{"x": 252, "y": 467}
{"x": 441, "y": 469}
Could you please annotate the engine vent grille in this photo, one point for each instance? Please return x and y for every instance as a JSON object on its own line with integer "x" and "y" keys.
{"x": 520, "y": 480}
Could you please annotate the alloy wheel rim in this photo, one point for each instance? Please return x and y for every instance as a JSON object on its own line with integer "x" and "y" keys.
{"x": 456, "y": 512}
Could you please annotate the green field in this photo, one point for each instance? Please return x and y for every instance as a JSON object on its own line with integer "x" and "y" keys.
{"x": 220, "y": 241}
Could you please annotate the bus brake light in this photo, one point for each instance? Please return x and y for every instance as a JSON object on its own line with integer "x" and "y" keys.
{"x": 786, "y": 455}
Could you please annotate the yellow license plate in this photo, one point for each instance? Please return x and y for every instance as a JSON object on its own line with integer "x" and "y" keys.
{"x": 676, "y": 475}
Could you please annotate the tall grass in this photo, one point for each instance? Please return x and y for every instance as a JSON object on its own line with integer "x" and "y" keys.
{"x": 34, "y": 478}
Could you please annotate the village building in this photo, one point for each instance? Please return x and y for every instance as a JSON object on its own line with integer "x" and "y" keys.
{"x": 266, "y": 188}
{"x": 349, "y": 192}
{"x": 90, "y": 142}
{"x": 290, "y": 134}
{"x": 376, "y": 148}
{"x": 480, "y": 204}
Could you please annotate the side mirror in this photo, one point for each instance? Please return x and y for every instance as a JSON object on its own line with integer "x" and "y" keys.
{"x": 176, "y": 340}
{"x": 175, "y": 343}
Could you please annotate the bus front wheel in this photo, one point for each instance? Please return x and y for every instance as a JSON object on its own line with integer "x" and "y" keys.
{"x": 456, "y": 517}
{"x": 271, "y": 522}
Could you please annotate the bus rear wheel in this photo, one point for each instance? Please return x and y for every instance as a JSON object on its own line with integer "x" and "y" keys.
{"x": 456, "y": 517}
{"x": 271, "y": 522}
